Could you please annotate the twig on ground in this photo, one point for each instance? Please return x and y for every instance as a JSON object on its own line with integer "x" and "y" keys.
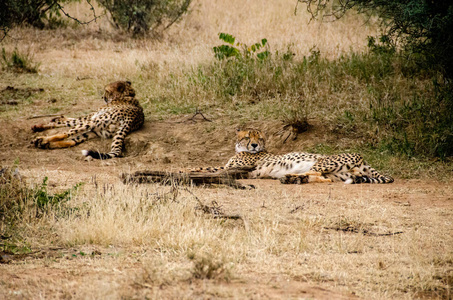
{"x": 215, "y": 209}
{"x": 364, "y": 231}
{"x": 198, "y": 112}
{"x": 300, "y": 207}
{"x": 226, "y": 177}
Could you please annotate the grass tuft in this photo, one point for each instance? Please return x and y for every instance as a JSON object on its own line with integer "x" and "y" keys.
{"x": 18, "y": 62}
{"x": 206, "y": 266}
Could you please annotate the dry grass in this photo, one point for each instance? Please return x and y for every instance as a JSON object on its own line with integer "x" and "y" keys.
{"x": 156, "y": 238}
{"x": 95, "y": 52}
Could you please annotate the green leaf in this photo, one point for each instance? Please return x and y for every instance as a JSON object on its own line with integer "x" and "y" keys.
{"x": 227, "y": 38}
{"x": 225, "y": 51}
{"x": 263, "y": 55}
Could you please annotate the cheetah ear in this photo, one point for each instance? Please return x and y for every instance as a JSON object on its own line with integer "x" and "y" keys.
{"x": 121, "y": 88}
{"x": 128, "y": 82}
{"x": 238, "y": 129}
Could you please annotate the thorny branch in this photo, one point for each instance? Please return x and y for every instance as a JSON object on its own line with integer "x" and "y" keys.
{"x": 5, "y": 29}
{"x": 336, "y": 10}
{"x": 77, "y": 20}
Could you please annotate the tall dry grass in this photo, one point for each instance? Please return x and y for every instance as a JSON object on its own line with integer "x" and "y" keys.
{"x": 96, "y": 51}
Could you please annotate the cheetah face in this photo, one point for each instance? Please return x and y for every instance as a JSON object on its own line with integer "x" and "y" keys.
{"x": 250, "y": 140}
{"x": 119, "y": 91}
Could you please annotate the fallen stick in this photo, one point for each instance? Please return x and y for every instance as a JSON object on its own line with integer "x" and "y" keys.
{"x": 226, "y": 177}
{"x": 364, "y": 231}
{"x": 216, "y": 211}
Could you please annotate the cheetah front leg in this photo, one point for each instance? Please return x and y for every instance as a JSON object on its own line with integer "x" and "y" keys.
{"x": 117, "y": 145}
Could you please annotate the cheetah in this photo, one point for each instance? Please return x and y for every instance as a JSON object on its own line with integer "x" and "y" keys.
{"x": 122, "y": 115}
{"x": 298, "y": 167}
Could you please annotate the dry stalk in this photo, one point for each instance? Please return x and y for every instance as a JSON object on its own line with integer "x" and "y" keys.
{"x": 362, "y": 231}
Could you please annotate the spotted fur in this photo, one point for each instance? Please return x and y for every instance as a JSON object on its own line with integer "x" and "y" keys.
{"x": 122, "y": 115}
{"x": 298, "y": 167}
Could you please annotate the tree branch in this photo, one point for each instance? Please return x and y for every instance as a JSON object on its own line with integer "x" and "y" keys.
{"x": 77, "y": 20}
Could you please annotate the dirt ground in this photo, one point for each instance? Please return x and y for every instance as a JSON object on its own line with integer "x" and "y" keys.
{"x": 169, "y": 145}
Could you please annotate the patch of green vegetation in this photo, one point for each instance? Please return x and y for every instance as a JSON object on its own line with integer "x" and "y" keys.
{"x": 45, "y": 201}
{"x": 21, "y": 204}
{"x": 18, "y": 62}
{"x": 323, "y": 148}
{"x": 377, "y": 96}
{"x": 257, "y": 51}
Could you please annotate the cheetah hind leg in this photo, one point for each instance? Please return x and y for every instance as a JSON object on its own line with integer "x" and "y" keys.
{"x": 59, "y": 141}
{"x": 50, "y": 142}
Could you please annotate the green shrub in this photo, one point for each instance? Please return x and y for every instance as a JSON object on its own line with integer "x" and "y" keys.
{"x": 141, "y": 17}
{"x": 45, "y": 201}
{"x": 423, "y": 29}
{"x": 255, "y": 51}
{"x": 37, "y": 13}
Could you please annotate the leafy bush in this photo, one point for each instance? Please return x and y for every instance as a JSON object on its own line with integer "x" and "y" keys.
{"x": 141, "y": 17}
{"x": 37, "y": 13}
{"x": 423, "y": 32}
{"x": 423, "y": 28}
{"x": 45, "y": 201}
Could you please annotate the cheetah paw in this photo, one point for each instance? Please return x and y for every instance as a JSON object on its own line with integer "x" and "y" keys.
{"x": 38, "y": 128}
{"x": 40, "y": 143}
{"x": 294, "y": 179}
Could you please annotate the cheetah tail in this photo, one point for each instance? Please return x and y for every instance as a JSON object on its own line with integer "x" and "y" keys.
{"x": 377, "y": 179}
{"x": 98, "y": 155}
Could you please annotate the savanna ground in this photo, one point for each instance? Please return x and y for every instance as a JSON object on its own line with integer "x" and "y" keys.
{"x": 111, "y": 240}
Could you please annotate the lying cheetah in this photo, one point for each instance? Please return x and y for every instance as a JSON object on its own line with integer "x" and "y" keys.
{"x": 298, "y": 167}
{"x": 122, "y": 115}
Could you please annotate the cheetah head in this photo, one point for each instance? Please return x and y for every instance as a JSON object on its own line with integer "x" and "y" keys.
{"x": 119, "y": 91}
{"x": 250, "y": 140}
